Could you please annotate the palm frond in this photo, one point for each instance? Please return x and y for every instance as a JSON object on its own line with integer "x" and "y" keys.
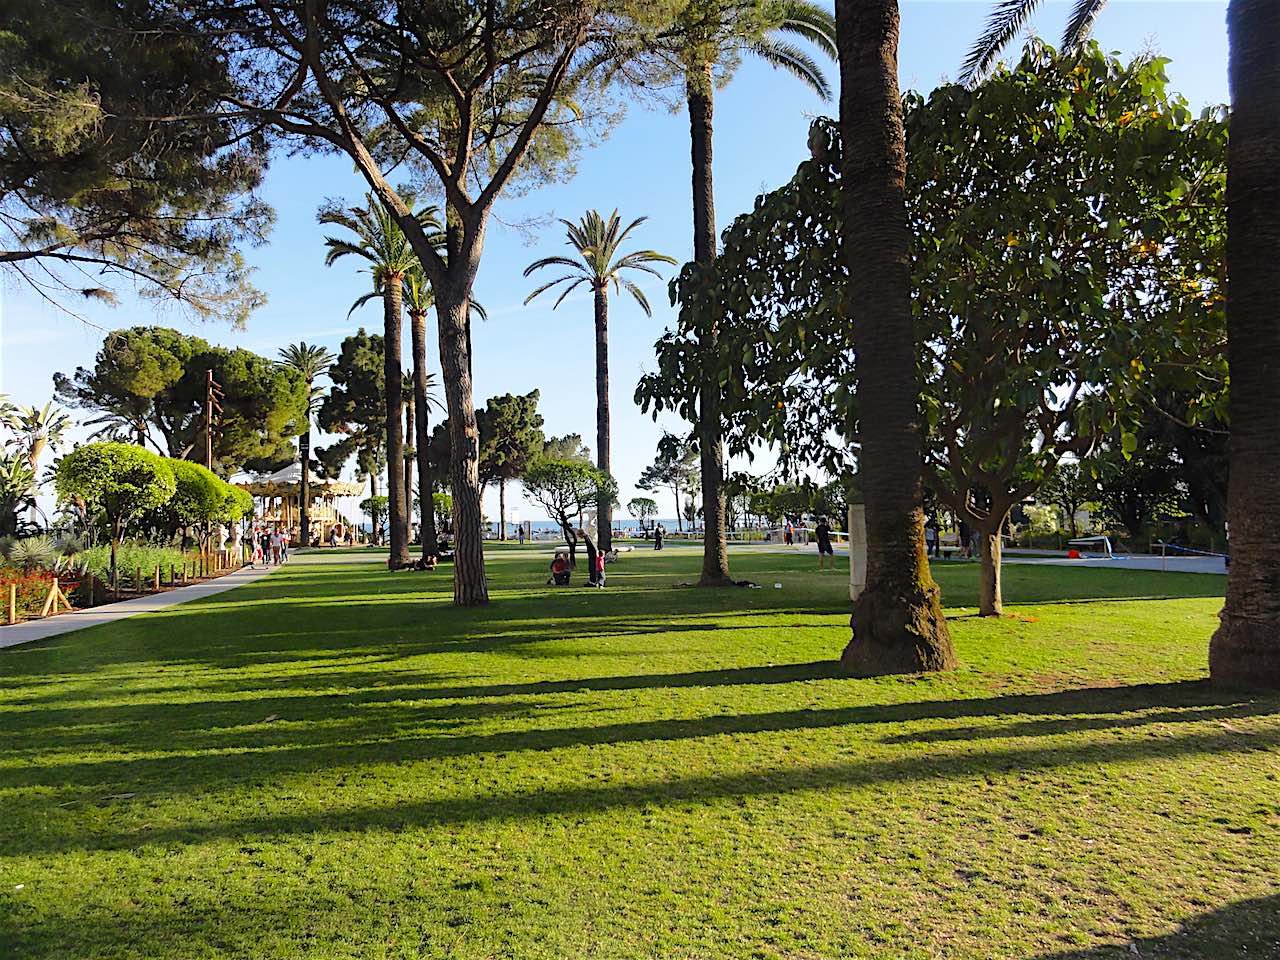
{"x": 635, "y": 291}
{"x": 576, "y": 278}
{"x": 1080, "y": 24}
{"x": 1007, "y": 19}
{"x": 552, "y": 261}
{"x": 787, "y": 56}
{"x": 362, "y": 300}
{"x": 810, "y": 22}
{"x": 568, "y": 290}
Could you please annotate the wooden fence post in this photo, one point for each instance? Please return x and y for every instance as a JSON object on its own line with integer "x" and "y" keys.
{"x": 137, "y": 579}
{"x": 13, "y": 603}
{"x": 157, "y": 579}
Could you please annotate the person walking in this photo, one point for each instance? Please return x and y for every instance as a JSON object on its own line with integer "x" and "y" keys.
{"x": 658, "y": 533}
{"x": 285, "y": 536}
{"x": 520, "y": 534}
{"x": 826, "y": 553}
{"x": 931, "y": 538}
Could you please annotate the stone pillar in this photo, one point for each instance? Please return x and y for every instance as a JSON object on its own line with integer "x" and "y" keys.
{"x": 857, "y": 549}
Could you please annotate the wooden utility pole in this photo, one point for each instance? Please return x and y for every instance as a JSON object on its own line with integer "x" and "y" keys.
{"x": 212, "y": 404}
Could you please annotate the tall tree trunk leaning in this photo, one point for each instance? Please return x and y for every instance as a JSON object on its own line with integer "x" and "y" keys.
{"x": 604, "y": 457}
{"x": 990, "y": 552}
{"x": 1245, "y": 650}
{"x": 407, "y": 466}
{"x": 304, "y": 504}
{"x": 715, "y": 549}
{"x": 898, "y": 626}
{"x": 470, "y": 586}
{"x": 397, "y": 503}
{"x": 422, "y": 434}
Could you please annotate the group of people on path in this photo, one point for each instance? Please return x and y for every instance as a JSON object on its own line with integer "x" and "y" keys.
{"x": 268, "y": 546}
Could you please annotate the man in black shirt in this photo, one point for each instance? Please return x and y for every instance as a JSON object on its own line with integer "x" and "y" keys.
{"x": 825, "y": 551}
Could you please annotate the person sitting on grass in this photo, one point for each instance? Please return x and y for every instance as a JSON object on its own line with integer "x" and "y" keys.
{"x": 559, "y": 570}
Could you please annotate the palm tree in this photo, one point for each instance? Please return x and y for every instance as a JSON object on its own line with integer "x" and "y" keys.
{"x": 1245, "y": 650}
{"x": 708, "y": 35}
{"x": 419, "y": 298}
{"x": 380, "y": 241}
{"x": 310, "y": 361}
{"x": 38, "y": 428}
{"x": 898, "y": 626}
{"x": 596, "y": 241}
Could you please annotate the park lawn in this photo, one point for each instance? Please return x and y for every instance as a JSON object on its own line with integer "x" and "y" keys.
{"x": 334, "y": 762}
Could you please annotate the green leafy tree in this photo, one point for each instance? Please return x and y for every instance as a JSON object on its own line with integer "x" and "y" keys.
{"x": 38, "y": 429}
{"x": 118, "y": 480}
{"x": 675, "y": 468}
{"x": 1070, "y": 488}
{"x": 375, "y": 508}
{"x": 596, "y": 243}
{"x": 473, "y": 98}
{"x": 1136, "y": 488}
{"x": 160, "y": 375}
{"x": 643, "y": 509}
{"x": 565, "y": 489}
{"x": 355, "y": 409}
{"x": 310, "y": 361}
{"x": 510, "y": 440}
{"x": 568, "y": 447}
{"x": 115, "y": 164}
{"x": 17, "y": 492}
{"x": 704, "y": 45}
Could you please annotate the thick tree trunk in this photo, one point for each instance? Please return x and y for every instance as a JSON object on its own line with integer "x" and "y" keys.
{"x": 898, "y": 626}
{"x": 604, "y": 457}
{"x": 470, "y": 586}
{"x": 1245, "y": 650}
{"x": 304, "y": 504}
{"x": 422, "y": 434}
{"x": 397, "y": 502}
{"x": 715, "y": 549}
{"x": 373, "y": 514}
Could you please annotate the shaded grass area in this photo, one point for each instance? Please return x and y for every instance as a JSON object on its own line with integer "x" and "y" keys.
{"x": 335, "y": 762}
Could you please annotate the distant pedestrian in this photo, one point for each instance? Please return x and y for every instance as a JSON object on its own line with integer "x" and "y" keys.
{"x": 521, "y": 534}
{"x": 658, "y": 533}
{"x": 931, "y": 538}
{"x": 788, "y": 534}
{"x": 963, "y": 533}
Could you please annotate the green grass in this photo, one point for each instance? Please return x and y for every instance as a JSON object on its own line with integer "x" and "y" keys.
{"x": 335, "y": 763}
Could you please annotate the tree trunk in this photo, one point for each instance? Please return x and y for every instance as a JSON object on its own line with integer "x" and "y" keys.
{"x": 470, "y": 586}
{"x": 990, "y": 593}
{"x": 304, "y": 503}
{"x": 1245, "y": 650}
{"x": 715, "y": 549}
{"x": 502, "y": 508}
{"x": 604, "y": 457}
{"x": 373, "y": 492}
{"x": 397, "y": 503}
{"x": 422, "y": 436}
{"x": 408, "y": 471}
{"x": 898, "y": 626}
{"x": 679, "y": 508}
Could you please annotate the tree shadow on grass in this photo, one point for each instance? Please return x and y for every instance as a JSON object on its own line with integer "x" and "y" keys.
{"x": 1247, "y": 928}
{"x": 234, "y": 756}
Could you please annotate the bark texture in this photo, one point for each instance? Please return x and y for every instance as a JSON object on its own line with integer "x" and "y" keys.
{"x": 604, "y": 456}
{"x": 422, "y": 432}
{"x": 715, "y": 549}
{"x": 397, "y": 502}
{"x": 407, "y": 466}
{"x": 470, "y": 585}
{"x": 1245, "y": 650}
{"x": 898, "y": 626}
{"x": 304, "y": 506}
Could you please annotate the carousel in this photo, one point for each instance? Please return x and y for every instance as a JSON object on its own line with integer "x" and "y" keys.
{"x": 279, "y": 498}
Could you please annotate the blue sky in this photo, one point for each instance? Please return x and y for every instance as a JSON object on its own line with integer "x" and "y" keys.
{"x": 643, "y": 169}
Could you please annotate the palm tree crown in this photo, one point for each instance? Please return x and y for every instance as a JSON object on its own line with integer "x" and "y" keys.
{"x": 378, "y": 240}
{"x": 1009, "y": 17}
{"x": 596, "y": 241}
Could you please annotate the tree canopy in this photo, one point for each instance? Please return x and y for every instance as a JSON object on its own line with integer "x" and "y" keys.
{"x": 115, "y": 164}
{"x": 157, "y": 377}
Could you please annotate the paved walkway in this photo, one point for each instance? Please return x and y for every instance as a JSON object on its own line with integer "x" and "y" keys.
{"x": 32, "y": 630}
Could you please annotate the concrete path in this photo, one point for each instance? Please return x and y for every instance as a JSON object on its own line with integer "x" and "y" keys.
{"x": 31, "y": 630}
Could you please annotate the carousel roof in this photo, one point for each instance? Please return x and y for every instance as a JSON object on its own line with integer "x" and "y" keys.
{"x": 289, "y": 480}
